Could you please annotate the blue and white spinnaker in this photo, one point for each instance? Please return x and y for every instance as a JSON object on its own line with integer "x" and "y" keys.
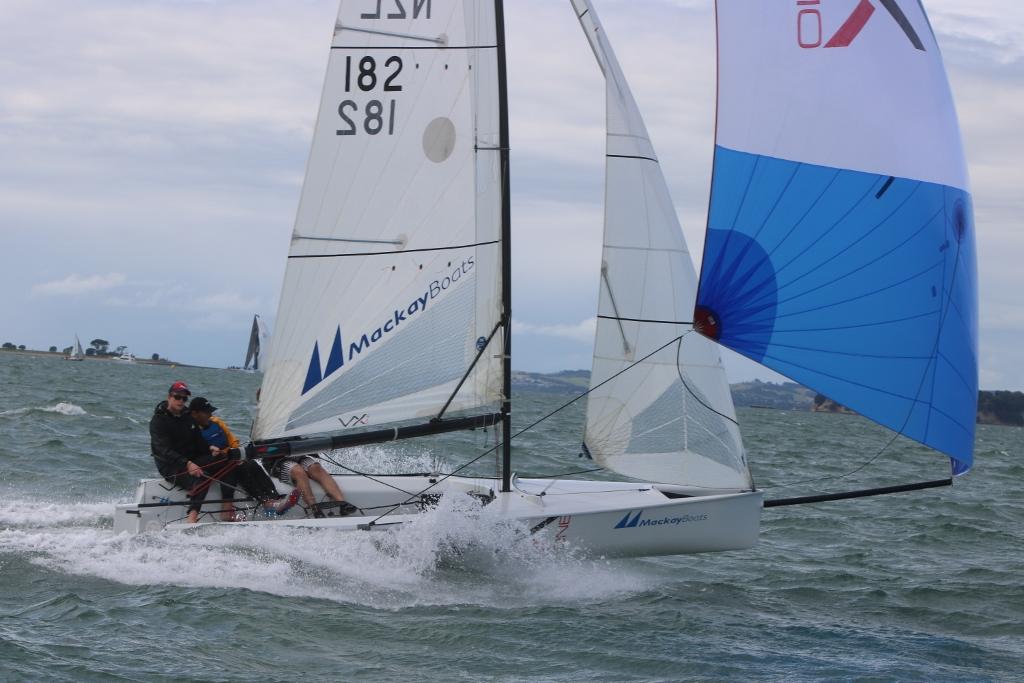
{"x": 840, "y": 243}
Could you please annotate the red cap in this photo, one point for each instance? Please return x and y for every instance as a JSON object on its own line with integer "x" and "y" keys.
{"x": 179, "y": 388}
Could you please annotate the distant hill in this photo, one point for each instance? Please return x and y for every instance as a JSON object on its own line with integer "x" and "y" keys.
{"x": 564, "y": 382}
{"x": 784, "y": 396}
{"x": 1001, "y": 408}
{"x": 994, "y": 407}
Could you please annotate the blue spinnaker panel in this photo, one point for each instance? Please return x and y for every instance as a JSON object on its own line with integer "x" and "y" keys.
{"x": 860, "y": 286}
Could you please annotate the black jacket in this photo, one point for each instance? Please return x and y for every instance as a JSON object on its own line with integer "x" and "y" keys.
{"x": 174, "y": 440}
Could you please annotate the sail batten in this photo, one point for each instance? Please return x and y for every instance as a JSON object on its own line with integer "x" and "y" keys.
{"x": 659, "y": 408}
{"x": 840, "y": 251}
{"x": 394, "y": 270}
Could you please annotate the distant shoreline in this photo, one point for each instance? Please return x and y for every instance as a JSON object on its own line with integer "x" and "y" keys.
{"x": 999, "y": 408}
{"x": 60, "y": 354}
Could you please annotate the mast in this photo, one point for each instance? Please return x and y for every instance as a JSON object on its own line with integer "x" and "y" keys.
{"x": 370, "y": 336}
{"x": 506, "y": 252}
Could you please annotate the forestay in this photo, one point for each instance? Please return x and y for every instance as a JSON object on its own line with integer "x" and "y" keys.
{"x": 840, "y": 244}
{"x": 392, "y": 283}
{"x": 668, "y": 416}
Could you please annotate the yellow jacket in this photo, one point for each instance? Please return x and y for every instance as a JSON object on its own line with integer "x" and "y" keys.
{"x": 232, "y": 439}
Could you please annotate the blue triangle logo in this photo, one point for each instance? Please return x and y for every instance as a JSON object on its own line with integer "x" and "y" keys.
{"x": 336, "y": 359}
{"x": 313, "y": 374}
{"x": 627, "y": 523}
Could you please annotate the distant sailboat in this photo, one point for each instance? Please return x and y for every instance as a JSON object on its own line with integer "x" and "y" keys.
{"x": 76, "y": 351}
{"x": 257, "y": 336}
{"x": 839, "y": 251}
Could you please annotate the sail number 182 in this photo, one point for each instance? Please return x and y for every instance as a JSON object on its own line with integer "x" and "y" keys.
{"x": 376, "y": 116}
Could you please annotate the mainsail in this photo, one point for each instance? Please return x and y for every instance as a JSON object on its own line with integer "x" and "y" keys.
{"x": 392, "y": 292}
{"x": 660, "y": 407}
{"x": 840, "y": 243}
{"x": 77, "y": 351}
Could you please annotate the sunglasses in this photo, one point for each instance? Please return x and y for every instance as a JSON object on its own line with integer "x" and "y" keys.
{"x": 179, "y": 397}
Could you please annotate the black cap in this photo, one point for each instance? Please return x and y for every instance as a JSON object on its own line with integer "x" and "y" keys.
{"x": 201, "y": 405}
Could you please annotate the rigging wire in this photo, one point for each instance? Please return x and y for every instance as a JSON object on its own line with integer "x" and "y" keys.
{"x": 833, "y": 477}
{"x": 675, "y": 340}
{"x": 565, "y": 474}
{"x": 682, "y": 380}
{"x": 920, "y": 390}
{"x": 529, "y": 427}
{"x": 328, "y": 458}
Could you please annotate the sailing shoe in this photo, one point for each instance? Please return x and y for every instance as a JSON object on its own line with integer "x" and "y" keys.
{"x": 339, "y": 508}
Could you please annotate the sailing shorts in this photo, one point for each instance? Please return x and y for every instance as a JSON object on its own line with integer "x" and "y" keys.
{"x": 282, "y": 469}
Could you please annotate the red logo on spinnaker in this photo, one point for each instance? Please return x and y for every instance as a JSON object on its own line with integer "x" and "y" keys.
{"x": 809, "y": 23}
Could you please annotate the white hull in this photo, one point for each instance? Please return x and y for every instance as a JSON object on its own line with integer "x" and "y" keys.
{"x": 602, "y": 519}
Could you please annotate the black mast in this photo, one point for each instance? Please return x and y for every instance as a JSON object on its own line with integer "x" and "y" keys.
{"x": 280, "y": 447}
{"x": 506, "y": 251}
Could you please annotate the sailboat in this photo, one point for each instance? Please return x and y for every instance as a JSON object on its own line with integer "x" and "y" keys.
{"x": 839, "y": 251}
{"x": 256, "y": 337}
{"x": 76, "y": 351}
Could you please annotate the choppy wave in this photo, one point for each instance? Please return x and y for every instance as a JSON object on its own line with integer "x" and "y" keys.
{"x": 46, "y": 514}
{"x": 919, "y": 586}
{"x": 62, "y": 408}
{"x": 457, "y": 554}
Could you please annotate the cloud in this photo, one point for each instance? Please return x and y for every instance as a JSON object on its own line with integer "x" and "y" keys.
{"x": 225, "y": 301}
{"x": 582, "y": 332}
{"x": 140, "y": 144}
{"x": 75, "y": 284}
{"x": 176, "y": 297}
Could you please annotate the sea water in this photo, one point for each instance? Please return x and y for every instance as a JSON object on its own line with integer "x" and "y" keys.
{"x": 923, "y": 586}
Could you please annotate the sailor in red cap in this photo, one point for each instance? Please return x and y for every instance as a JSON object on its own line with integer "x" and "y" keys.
{"x": 181, "y": 453}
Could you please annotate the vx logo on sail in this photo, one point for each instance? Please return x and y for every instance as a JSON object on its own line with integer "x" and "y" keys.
{"x": 809, "y": 23}
{"x": 354, "y": 420}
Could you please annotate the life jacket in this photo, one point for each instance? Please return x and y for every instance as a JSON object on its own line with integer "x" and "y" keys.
{"x": 215, "y": 436}
{"x": 219, "y": 434}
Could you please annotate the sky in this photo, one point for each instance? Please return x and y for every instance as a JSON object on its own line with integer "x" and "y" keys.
{"x": 152, "y": 154}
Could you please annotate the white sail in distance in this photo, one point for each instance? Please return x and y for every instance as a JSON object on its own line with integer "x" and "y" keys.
{"x": 393, "y": 278}
{"x": 659, "y": 407}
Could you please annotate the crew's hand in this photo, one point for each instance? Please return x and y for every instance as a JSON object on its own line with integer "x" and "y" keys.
{"x": 214, "y": 450}
{"x": 194, "y": 469}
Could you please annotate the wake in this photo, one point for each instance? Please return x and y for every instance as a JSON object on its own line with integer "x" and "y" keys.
{"x": 457, "y": 554}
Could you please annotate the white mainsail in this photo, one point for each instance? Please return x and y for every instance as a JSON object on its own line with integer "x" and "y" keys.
{"x": 668, "y": 416}
{"x": 393, "y": 278}
{"x": 77, "y": 351}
